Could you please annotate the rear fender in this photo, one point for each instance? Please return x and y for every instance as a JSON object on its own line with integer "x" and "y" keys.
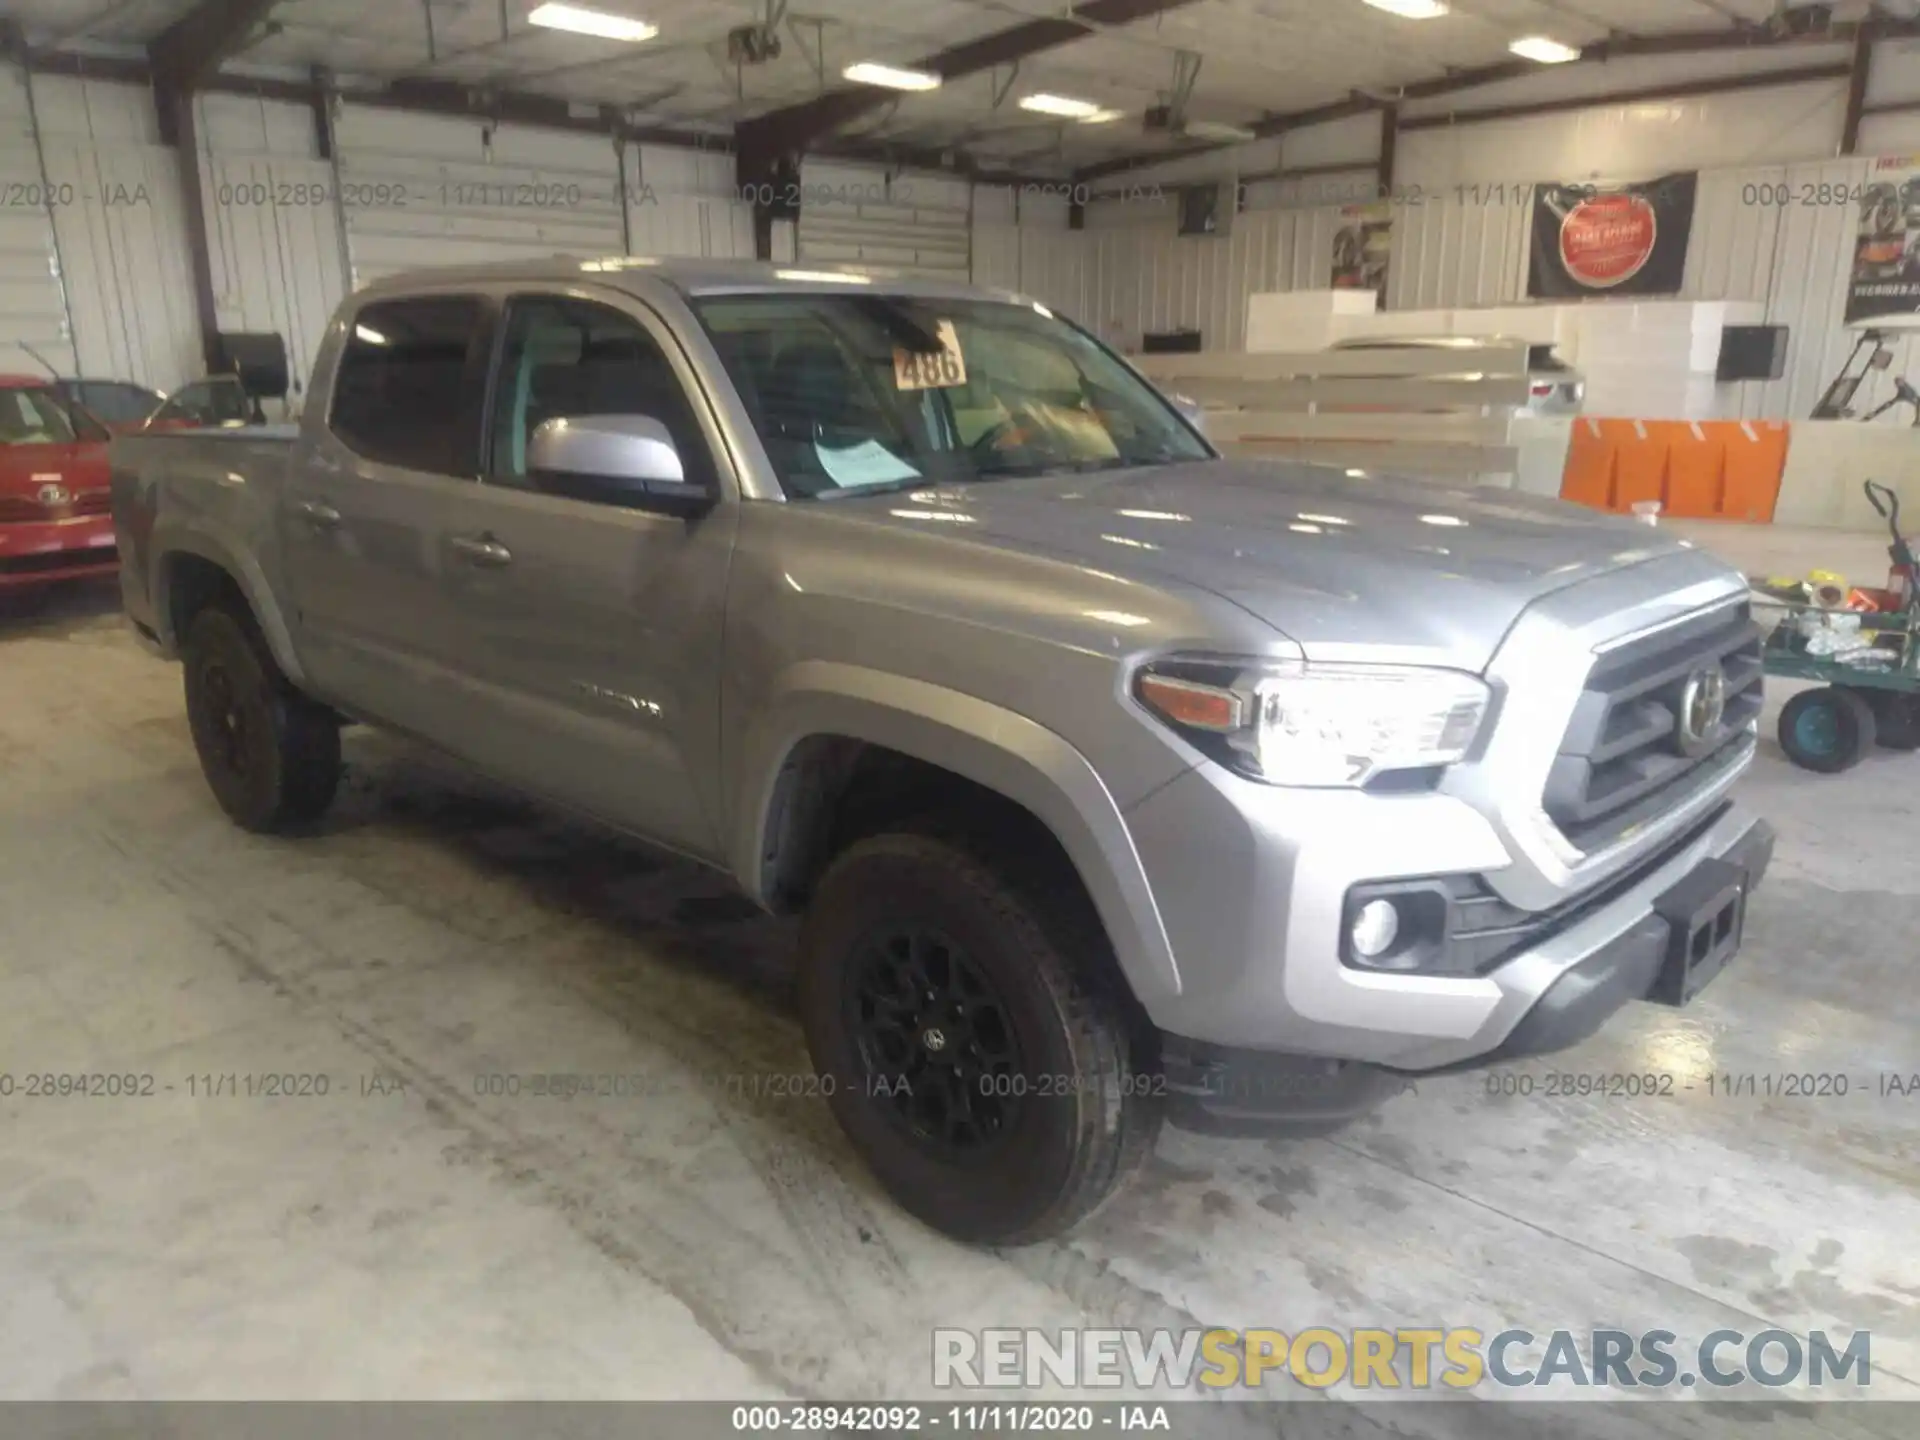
{"x": 246, "y": 573}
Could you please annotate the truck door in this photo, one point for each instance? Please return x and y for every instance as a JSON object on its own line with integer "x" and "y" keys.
{"x": 593, "y": 631}
{"x": 370, "y": 502}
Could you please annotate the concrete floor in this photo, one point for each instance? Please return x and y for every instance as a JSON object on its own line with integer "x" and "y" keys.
{"x": 407, "y": 1237}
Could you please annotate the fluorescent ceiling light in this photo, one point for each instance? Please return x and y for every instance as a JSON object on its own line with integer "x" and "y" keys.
{"x": 891, "y": 77}
{"x": 1411, "y": 9}
{"x": 1100, "y": 117}
{"x": 1063, "y": 106}
{"x": 582, "y": 21}
{"x": 830, "y": 277}
{"x": 1547, "y": 52}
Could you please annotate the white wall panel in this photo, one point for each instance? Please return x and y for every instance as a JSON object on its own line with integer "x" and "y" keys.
{"x": 995, "y": 205}
{"x": 684, "y": 202}
{"x": 273, "y": 227}
{"x": 1812, "y": 262}
{"x": 32, "y": 307}
{"x": 1450, "y": 252}
{"x": 421, "y": 190}
{"x": 1057, "y": 269}
{"x": 123, "y": 248}
{"x": 273, "y": 234}
{"x": 121, "y": 232}
{"x": 911, "y": 221}
{"x": 996, "y": 255}
{"x": 249, "y": 125}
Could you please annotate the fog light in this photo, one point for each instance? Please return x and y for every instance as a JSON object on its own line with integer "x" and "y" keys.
{"x": 1375, "y": 928}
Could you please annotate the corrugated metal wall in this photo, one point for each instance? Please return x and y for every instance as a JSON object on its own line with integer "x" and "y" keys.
{"x": 32, "y": 307}
{"x": 859, "y": 214}
{"x": 1760, "y": 234}
{"x": 120, "y": 231}
{"x": 682, "y": 202}
{"x": 423, "y": 190}
{"x": 1449, "y": 251}
{"x": 272, "y": 226}
{"x": 1810, "y": 247}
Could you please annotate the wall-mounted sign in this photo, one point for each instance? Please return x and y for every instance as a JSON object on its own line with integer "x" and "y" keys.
{"x": 1886, "y": 255}
{"x": 1362, "y": 246}
{"x": 1612, "y": 239}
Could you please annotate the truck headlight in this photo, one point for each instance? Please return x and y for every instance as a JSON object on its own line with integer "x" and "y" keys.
{"x": 1301, "y": 723}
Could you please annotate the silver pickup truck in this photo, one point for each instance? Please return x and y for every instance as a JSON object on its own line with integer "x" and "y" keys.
{"x": 1115, "y": 780}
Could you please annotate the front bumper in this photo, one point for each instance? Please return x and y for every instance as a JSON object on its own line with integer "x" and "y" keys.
{"x": 1255, "y": 917}
{"x": 40, "y": 552}
{"x": 1231, "y": 1090}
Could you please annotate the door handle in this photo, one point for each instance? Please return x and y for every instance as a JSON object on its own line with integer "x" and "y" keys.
{"x": 481, "y": 550}
{"x": 319, "y": 515}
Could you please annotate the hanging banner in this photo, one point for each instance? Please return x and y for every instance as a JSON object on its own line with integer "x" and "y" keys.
{"x": 1886, "y": 256}
{"x": 1611, "y": 239}
{"x": 1362, "y": 247}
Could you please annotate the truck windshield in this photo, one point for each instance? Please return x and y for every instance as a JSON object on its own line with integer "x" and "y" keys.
{"x": 36, "y": 416}
{"x": 856, "y": 393}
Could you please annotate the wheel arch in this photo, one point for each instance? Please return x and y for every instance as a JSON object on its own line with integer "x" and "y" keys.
{"x": 191, "y": 569}
{"x": 821, "y": 710}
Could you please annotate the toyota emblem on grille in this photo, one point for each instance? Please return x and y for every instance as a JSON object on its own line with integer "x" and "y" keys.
{"x": 1703, "y": 705}
{"x": 52, "y": 494}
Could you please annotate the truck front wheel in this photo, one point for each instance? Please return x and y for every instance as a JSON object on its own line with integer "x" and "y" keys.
{"x": 271, "y": 756}
{"x": 967, "y": 1032}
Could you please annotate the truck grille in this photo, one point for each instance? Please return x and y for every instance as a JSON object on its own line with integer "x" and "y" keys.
{"x": 1623, "y": 761}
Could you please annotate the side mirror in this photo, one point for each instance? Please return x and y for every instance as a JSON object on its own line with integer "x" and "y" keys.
{"x": 625, "y": 460}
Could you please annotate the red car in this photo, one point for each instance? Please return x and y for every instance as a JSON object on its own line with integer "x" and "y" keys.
{"x": 55, "y": 519}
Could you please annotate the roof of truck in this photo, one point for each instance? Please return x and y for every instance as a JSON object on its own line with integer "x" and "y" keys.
{"x": 692, "y": 277}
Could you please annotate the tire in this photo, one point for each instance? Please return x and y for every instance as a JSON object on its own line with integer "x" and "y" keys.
{"x": 271, "y": 756}
{"x": 1827, "y": 730}
{"x": 1028, "y": 1135}
{"x": 1896, "y": 719}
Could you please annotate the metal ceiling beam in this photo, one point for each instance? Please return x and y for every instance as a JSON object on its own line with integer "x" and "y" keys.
{"x": 1862, "y": 72}
{"x": 1684, "y": 90}
{"x": 1690, "y": 42}
{"x": 191, "y": 49}
{"x": 793, "y": 128}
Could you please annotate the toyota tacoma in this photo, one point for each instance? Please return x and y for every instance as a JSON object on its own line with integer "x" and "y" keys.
{"x": 1114, "y": 780}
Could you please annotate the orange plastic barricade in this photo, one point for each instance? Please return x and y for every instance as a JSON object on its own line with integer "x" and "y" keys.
{"x": 1695, "y": 469}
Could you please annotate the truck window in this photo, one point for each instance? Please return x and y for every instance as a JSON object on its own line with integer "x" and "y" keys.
{"x": 572, "y": 358}
{"x": 851, "y": 392}
{"x": 401, "y": 396}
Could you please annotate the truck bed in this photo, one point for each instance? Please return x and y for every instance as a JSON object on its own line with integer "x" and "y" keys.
{"x": 223, "y": 486}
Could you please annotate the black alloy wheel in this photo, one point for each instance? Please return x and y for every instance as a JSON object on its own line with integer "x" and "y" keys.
{"x": 935, "y": 1039}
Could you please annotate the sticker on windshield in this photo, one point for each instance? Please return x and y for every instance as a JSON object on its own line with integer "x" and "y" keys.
{"x": 934, "y": 369}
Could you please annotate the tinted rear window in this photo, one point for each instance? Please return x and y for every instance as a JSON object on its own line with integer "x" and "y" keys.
{"x": 401, "y": 396}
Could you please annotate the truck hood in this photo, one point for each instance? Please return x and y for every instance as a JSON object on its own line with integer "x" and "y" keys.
{"x": 1346, "y": 565}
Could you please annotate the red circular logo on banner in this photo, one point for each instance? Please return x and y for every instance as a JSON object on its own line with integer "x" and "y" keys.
{"x": 1608, "y": 240}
